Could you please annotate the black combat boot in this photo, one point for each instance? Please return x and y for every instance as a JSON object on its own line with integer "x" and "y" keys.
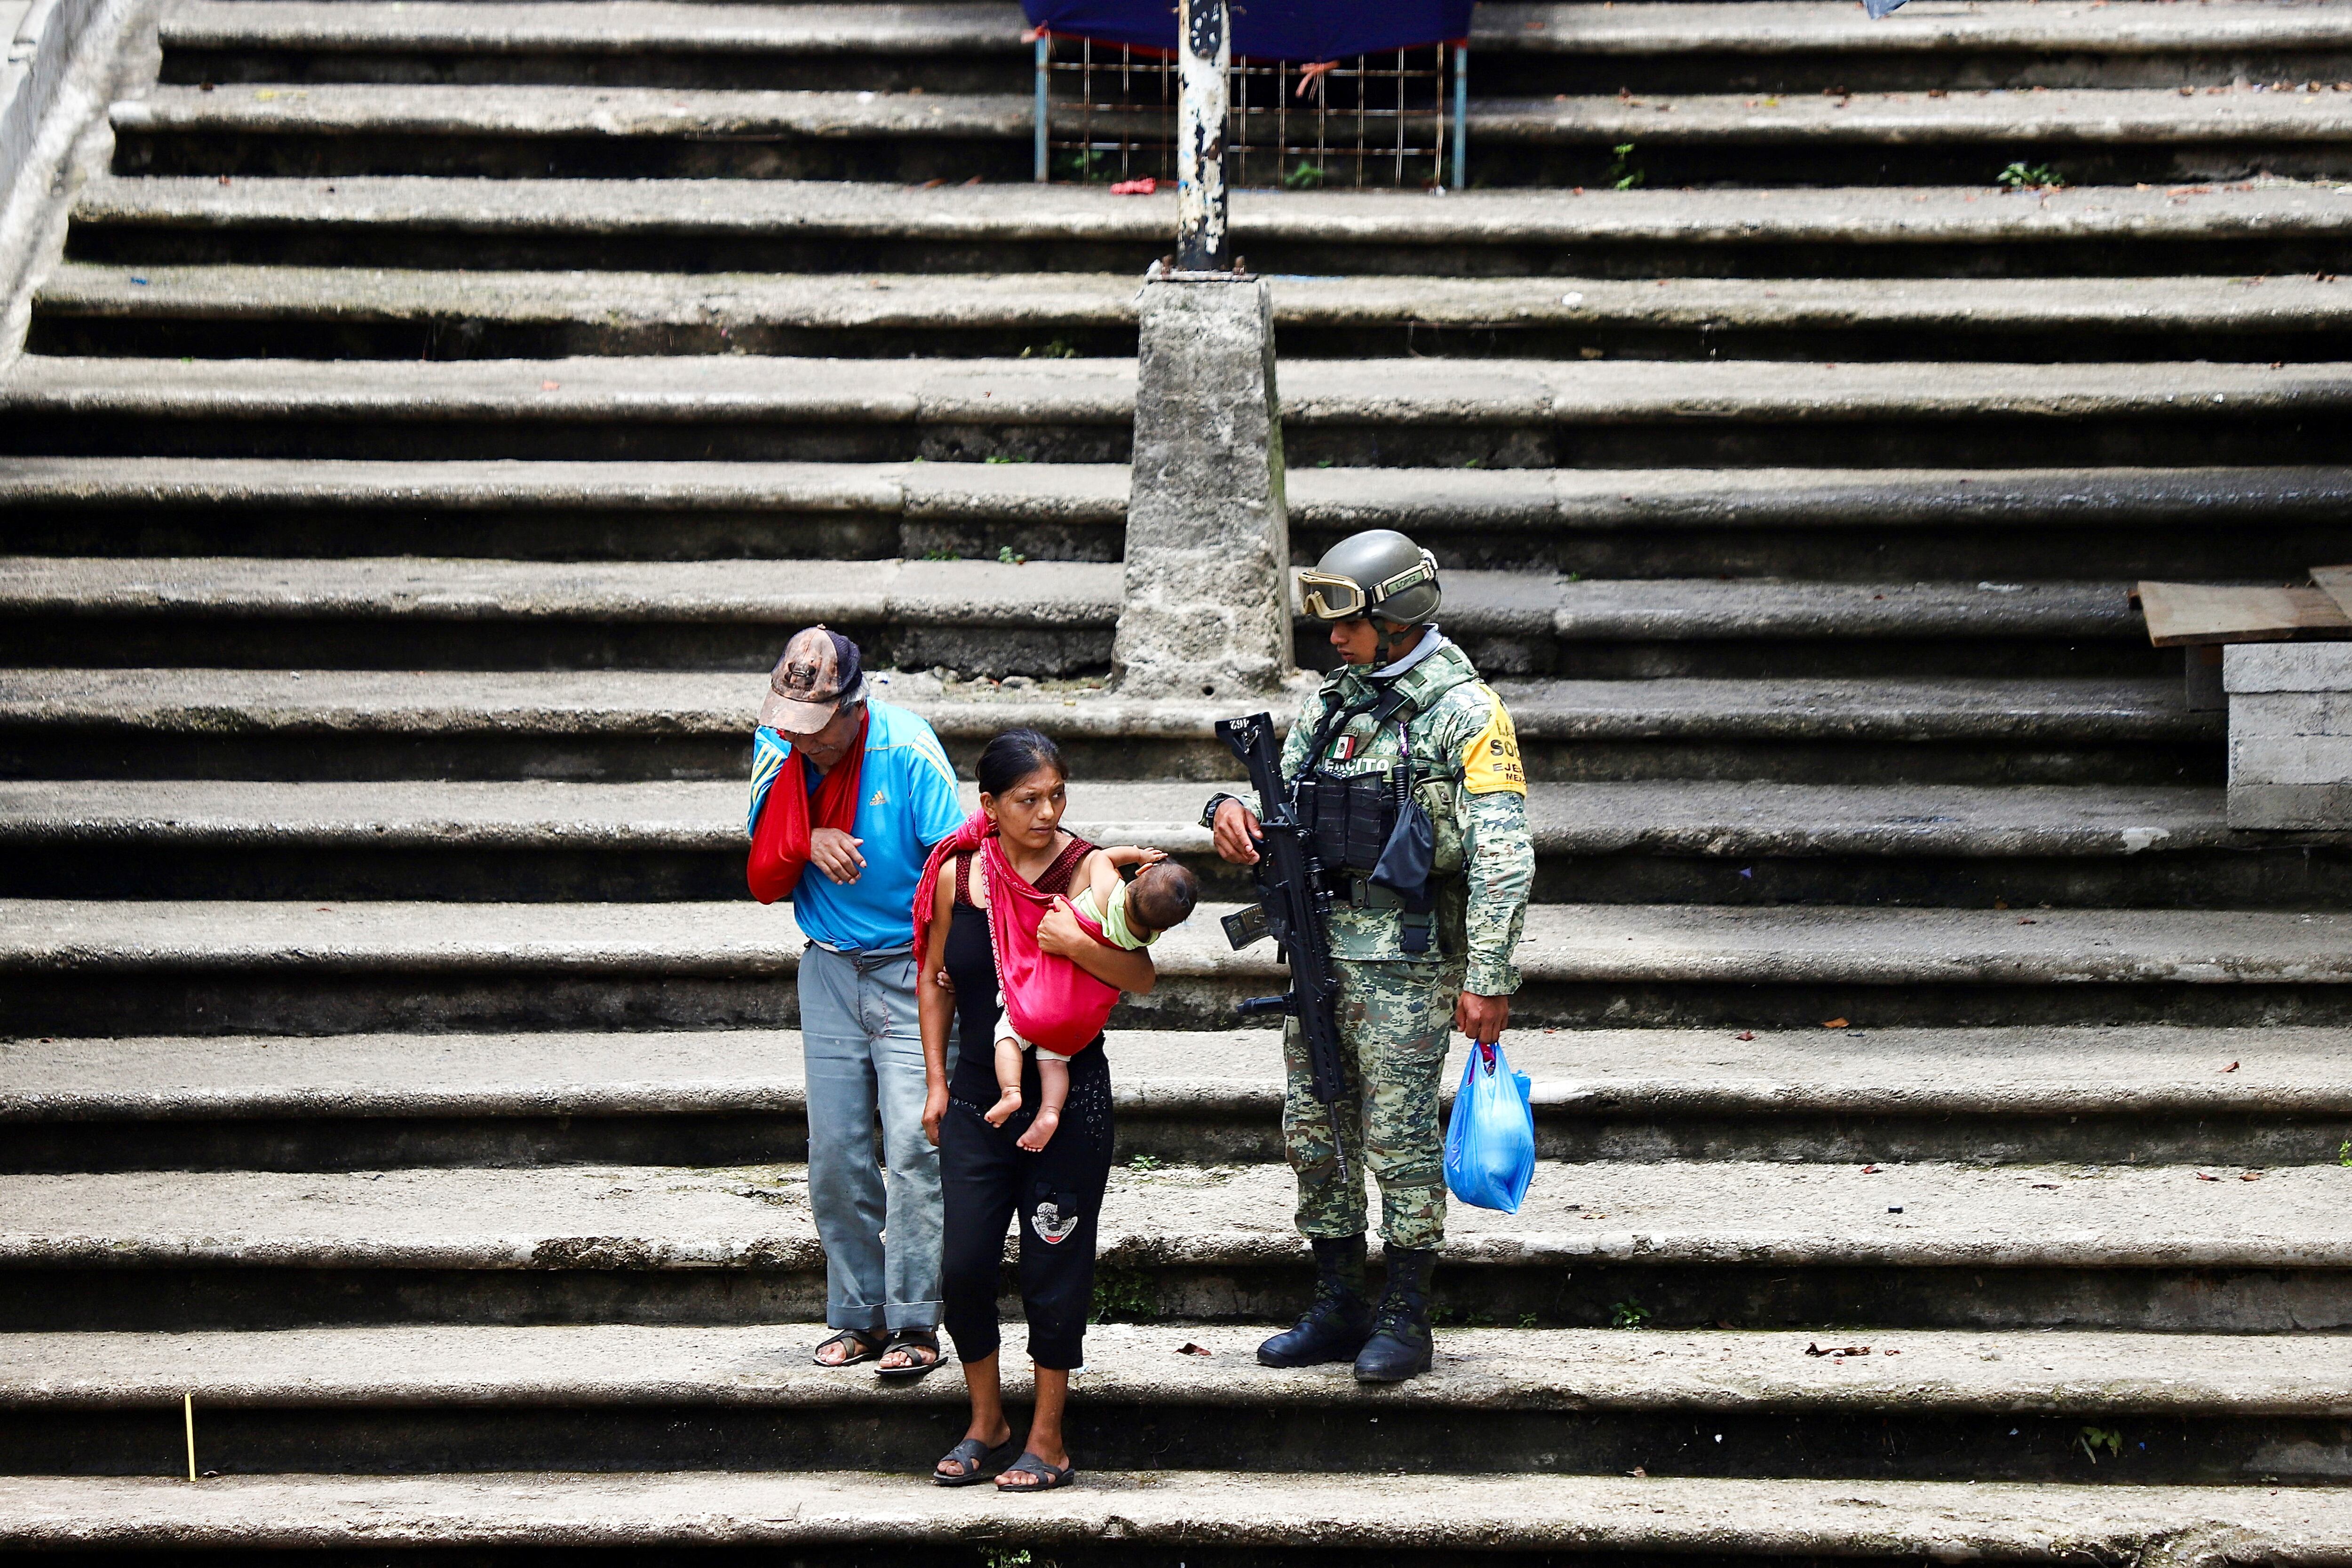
{"x": 1400, "y": 1346}
{"x": 1336, "y": 1326}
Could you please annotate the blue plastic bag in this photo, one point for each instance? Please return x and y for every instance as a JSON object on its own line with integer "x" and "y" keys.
{"x": 1490, "y": 1141}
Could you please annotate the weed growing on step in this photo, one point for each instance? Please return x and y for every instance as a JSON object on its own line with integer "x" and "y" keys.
{"x": 2024, "y": 176}
{"x": 1011, "y": 1557}
{"x": 1012, "y": 459}
{"x": 1007, "y": 556}
{"x": 936, "y": 553}
{"x": 1305, "y": 177}
{"x": 1622, "y": 175}
{"x": 1059, "y": 348}
{"x": 2091, "y": 1439}
{"x": 1123, "y": 1295}
{"x": 1144, "y": 1163}
{"x": 1629, "y": 1313}
{"x": 2343, "y": 1153}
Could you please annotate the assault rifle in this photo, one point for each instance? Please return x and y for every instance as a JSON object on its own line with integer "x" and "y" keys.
{"x": 1292, "y": 901}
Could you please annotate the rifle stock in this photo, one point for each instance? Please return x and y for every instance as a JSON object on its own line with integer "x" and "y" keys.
{"x": 1292, "y": 900}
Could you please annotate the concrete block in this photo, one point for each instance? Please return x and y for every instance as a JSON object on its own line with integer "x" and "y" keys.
{"x": 2290, "y": 735}
{"x": 1207, "y": 607}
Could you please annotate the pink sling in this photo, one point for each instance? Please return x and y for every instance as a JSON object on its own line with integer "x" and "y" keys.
{"x": 1048, "y": 1000}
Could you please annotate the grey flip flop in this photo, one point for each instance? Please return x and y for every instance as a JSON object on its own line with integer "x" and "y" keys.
{"x": 1048, "y": 1476}
{"x": 864, "y": 1346}
{"x": 981, "y": 1462}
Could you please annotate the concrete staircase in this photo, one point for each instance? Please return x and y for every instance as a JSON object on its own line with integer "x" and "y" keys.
{"x": 441, "y": 411}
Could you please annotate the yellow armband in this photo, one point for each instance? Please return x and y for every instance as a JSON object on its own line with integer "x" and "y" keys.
{"x": 1491, "y": 761}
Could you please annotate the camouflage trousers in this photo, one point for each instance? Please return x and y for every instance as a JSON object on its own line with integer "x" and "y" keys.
{"x": 1394, "y": 1021}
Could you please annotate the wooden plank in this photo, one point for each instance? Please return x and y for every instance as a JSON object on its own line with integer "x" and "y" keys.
{"x": 2336, "y": 581}
{"x": 2183, "y": 613}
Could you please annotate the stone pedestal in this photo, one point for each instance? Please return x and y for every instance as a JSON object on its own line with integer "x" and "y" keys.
{"x": 1207, "y": 608}
{"x": 2290, "y": 735}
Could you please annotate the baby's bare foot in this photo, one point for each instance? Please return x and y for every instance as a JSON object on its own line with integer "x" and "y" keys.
{"x": 1041, "y": 1131}
{"x": 996, "y": 1115}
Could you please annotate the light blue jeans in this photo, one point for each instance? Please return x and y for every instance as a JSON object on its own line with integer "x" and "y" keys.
{"x": 863, "y": 1051}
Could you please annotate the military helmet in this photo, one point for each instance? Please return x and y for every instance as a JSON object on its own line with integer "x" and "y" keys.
{"x": 1378, "y": 573}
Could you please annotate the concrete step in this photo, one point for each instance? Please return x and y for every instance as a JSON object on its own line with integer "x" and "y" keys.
{"x": 101, "y": 967}
{"x": 622, "y": 132}
{"x": 949, "y": 46}
{"x": 1809, "y": 45}
{"x": 1043, "y": 619}
{"x": 594, "y": 510}
{"x": 2103, "y": 136}
{"x": 1123, "y": 1517}
{"x": 733, "y": 225}
{"x": 1916, "y": 1406}
{"x": 1829, "y": 524}
{"x": 1657, "y": 841}
{"x": 2088, "y": 136}
{"x": 986, "y": 618}
{"x": 614, "y": 725}
{"x": 249, "y": 312}
{"x": 1510, "y": 413}
{"x": 2161, "y": 1094}
{"x": 1672, "y": 1244}
{"x": 964, "y": 47}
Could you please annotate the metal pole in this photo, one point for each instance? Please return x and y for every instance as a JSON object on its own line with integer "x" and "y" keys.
{"x": 1203, "y": 242}
{"x": 1461, "y": 115}
{"x": 1045, "y": 55}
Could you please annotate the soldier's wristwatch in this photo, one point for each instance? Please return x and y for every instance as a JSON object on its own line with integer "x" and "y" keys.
{"x": 1209, "y": 812}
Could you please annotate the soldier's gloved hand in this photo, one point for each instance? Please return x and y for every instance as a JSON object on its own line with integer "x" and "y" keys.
{"x": 1236, "y": 832}
{"x": 1483, "y": 1018}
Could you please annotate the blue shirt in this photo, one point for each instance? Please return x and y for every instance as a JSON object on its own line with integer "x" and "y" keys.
{"x": 906, "y": 803}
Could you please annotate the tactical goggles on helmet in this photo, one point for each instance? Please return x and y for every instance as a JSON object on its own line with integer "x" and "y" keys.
{"x": 1331, "y": 597}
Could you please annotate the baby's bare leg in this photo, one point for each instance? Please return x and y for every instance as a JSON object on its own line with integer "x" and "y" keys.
{"x": 1053, "y": 1089}
{"x": 1008, "y": 1082}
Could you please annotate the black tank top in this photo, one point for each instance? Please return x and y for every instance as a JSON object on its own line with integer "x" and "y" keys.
{"x": 972, "y": 966}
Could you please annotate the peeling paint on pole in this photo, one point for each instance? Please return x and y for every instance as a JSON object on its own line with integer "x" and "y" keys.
{"x": 1202, "y": 241}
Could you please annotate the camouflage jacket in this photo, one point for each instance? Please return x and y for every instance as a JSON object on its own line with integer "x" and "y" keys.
{"x": 1469, "y": 779}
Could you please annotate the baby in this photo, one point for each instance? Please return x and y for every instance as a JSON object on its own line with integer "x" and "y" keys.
{"x": 1132, "y": 915}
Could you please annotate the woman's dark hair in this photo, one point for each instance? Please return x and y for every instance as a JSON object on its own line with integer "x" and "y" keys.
{"x": 1013, "y": 756}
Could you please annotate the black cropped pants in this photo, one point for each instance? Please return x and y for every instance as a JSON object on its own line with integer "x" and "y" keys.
{"x": 1055, "y": 1197}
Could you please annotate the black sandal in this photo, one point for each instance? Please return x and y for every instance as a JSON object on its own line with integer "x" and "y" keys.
{"x": 868, "y": 1347}
{"x": 980, "y": 1462}
{"x": 913, "y": 1342}
{"x": 1048, "y": 1476}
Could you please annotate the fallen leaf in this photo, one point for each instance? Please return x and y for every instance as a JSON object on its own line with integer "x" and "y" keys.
{"x": 1189, "y": 1348}
{"x": 2203, "y": 1177}
{"x": 2249, "y": 1175}
{"x": 2232, "y": 1068}
{"x": 2027, "y": 920}
{"x": 1745, "y": 1034}
{"x": 1833, "y": 1023}
{"x": 1812, "y": 1349}
{"x": 550, "y": 386}
{"x": 1143, "y": 187}
{"x": 1870, "y": 1170}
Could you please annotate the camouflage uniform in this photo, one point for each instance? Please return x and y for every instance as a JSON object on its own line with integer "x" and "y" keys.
{"x": 1396, "y": 1008}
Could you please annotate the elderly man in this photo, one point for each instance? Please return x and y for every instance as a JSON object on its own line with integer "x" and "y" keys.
{"x": 858, "y": 791}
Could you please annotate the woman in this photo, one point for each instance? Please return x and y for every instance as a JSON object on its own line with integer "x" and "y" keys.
{"x": 985, "y": 1177}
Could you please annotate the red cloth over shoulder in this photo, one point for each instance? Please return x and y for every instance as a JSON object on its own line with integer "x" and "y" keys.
{"x": 779, "y": 844}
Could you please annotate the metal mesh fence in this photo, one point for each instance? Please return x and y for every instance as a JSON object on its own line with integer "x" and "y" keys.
{"x": 1373, "y": 121}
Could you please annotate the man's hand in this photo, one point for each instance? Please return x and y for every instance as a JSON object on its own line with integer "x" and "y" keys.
{"x": 1236, "y": 833}
{"x": 935, "y": 1106}
{"x": 1483, "y": 1018}
{"x": 835, "y": 853}
{"x": 1059, "y": 932}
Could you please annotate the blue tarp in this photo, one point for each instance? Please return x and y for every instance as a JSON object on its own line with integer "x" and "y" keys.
{"x": 1267, "y": 29}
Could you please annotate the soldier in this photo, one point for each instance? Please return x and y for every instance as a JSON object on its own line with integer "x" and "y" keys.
{"x": 1408, "y": 963}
